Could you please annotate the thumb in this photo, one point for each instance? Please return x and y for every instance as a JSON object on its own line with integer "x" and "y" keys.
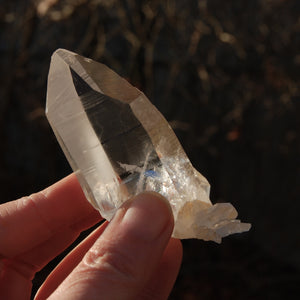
{"x": 123, "y": 259}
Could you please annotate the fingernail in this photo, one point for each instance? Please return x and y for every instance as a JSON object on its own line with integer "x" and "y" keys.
{"x": 148, "y": 216}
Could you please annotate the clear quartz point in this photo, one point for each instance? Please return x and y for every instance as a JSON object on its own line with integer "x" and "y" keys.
{"x": 119, "y": 145}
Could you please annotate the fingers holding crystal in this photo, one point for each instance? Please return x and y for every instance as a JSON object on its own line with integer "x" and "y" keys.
{"x": 124, "y": 258}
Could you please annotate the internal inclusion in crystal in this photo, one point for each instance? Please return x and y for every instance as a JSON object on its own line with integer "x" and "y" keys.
{"x": 119, "y": 145}
{"x": 121, "y": 136}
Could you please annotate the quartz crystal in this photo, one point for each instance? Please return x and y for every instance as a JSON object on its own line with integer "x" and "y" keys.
{"x": 120, "y": 145}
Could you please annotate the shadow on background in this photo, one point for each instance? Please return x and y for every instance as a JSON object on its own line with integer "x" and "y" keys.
{"x": 226, "y": 76}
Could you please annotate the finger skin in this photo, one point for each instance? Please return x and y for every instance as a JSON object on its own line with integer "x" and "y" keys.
{"x": 13, "y": 285}
{"x": 29, "y": 221}
{"x": 67, "y": 265}
{"x": 158, "y": 287}
{"x": 123, "y": 259}
{"x": 35, "y": 229}
{"x": 163, "y": 278}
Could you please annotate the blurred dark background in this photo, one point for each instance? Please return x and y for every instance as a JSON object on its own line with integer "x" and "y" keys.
{"x": 226, "y": 76}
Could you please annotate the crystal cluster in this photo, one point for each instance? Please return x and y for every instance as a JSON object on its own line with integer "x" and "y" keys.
{"x": 119, "y": 145}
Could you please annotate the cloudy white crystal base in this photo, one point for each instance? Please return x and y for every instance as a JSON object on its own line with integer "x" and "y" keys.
{"x": 119, "y": 145}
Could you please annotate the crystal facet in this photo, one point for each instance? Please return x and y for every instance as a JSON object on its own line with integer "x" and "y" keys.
{"x": 119, "y": 145}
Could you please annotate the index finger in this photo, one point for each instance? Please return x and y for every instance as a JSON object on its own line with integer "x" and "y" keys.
{"x": 27, "y": 222}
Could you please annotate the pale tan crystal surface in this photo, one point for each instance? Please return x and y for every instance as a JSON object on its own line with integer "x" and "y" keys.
{"x": 119, "y": 145}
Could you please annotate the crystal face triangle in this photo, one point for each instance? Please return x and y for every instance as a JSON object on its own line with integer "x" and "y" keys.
{"x": 120, "y": 145}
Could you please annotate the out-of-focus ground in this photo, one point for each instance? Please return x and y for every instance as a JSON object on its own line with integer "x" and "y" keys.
{"x": 224, "y": 73}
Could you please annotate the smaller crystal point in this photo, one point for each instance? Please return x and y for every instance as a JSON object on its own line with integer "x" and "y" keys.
{"x": 120, "y": 145}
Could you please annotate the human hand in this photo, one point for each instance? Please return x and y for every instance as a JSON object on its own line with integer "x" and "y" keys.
{"x": 132, "y": 257}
